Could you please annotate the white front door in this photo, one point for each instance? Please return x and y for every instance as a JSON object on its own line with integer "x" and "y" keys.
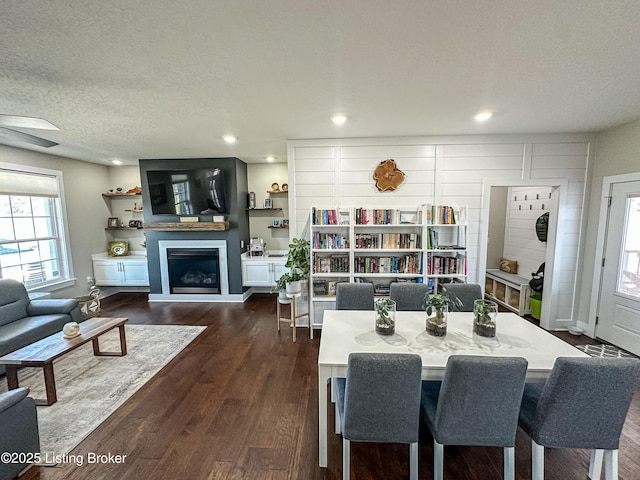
{"x": 619, "y": 311}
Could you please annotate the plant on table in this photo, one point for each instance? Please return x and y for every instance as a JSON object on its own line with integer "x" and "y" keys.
{"x": 436, "y": 307}
{"x": 484, "y": 318}
{"x": 385, "y": 316}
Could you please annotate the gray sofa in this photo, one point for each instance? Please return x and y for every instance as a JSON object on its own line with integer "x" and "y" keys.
{"x": 18, "y": 431}
{"x": 24, "y": 321}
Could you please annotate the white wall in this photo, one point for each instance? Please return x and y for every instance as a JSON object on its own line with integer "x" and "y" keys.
{"x": 525, "y": 205}
{"x": 497, "y": 222}
{"x": 617, "y": 152}
{"x": 260, "y": 176}
{"x": 86, "y": 211}
{"x": 450, "y": 171}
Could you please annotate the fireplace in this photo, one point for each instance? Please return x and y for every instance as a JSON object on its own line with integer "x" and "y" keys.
{"x": 193, "y": 270}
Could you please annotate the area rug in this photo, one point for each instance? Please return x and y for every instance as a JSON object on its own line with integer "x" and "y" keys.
{"x": 604, "y": 351}
{"x": 91, "y": 388}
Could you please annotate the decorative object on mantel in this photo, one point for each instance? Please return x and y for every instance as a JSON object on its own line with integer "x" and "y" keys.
{"x": 388, "y": 176}
{"x": 118, "y": 249}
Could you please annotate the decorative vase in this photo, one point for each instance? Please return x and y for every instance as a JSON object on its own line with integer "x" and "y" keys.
{"x": 437, "y": 323}
{"x": 385, "y": 316}
{"x": 293, "y": 288}
{"x": 282, "y": 297}
{"x": 485, "y": 313}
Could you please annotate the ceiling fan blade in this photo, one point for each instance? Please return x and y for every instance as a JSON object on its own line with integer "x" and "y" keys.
{"x": 25, "y": 137}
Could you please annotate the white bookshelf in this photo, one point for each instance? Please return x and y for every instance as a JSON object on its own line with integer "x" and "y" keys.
{"x": 383, "y": 245}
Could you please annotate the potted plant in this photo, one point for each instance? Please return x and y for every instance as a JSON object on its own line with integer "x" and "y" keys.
{"x": 436, "y": 306}
{"x": 280, "y": 288}
{"x": 484, "y": 318}
{"x": 298, "y": 264}
{"x": 385, "y": 316}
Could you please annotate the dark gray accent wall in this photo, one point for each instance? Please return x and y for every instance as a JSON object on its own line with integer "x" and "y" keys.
{"x": 235, "y": 174}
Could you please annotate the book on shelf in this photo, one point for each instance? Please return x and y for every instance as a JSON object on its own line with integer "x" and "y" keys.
{"x": 321, "y": 216}
{"x": 385, "y": 216}
{"x": 442, "y": 215}
{"x": 387, "y": 241}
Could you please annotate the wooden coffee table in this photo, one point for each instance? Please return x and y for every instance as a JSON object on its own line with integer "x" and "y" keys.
{"x": 43, "y": 352}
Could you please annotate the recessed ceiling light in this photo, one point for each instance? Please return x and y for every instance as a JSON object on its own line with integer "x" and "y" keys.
{"x": 483, "y": 116}
{"x": 339, "y": 119}
{"x": 230, "y": 139}
{"x": 116, "y": 162}
{"x": 270, "y": 158}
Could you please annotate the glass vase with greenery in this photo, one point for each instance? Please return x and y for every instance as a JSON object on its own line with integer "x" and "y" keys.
{"x": 385, "y": 316}
{"x": 485, "y": 313}
{"x": 436, "y": 307}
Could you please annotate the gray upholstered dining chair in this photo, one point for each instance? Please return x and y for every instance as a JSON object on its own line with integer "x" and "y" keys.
{"x": 354, "y": 296}
{"x": 463, "y": 295}
{"x": 408, "y": 295}
{"x": 380, "y": 402}
{"x": 477, "y": 403}
{"x": 583, "y": 404}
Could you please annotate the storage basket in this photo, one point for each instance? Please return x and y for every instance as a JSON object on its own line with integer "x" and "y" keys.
{"x": 89, "y": 304}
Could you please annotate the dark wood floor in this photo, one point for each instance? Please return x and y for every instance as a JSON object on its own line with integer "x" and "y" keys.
{"x": 240, "y": 402}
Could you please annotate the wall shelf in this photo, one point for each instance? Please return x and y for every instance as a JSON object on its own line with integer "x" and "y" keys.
{"x": 111, "y": 195}
{"x": 264, "y": 209}
{"x": 187, "y": 226}
{"x": 281, "y": 226}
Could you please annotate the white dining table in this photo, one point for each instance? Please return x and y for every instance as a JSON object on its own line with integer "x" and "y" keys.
{"x": 348, "y": 331}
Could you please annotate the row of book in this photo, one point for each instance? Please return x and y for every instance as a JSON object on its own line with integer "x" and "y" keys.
{"x": 387, "y": 240}
{"x": 441, "y": 215}
{"x": 321, "y": 216}
{"x": 369, "y": 216}
{"x": 331, "y": 264}
{"x": 329, "y": 241}
{"x": 440, "y": 265}
{"x": 402, "y": 264}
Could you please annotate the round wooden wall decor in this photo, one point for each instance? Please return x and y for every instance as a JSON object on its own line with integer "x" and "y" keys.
{"x": 388, "y": 176}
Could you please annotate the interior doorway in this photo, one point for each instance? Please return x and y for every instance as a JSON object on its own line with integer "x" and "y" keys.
{"x": 534, "y": 251}
{"x": 618, "y": 319}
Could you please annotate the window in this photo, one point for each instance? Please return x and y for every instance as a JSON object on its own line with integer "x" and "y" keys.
{"x": 33, "y": 244}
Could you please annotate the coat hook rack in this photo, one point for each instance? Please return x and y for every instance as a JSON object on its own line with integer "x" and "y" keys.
{"x": 519, "y": 207}
{"x": 530, "y": 207}
{"x": 525, "y": 197}
{"x": 543, "y": 206}
{"x": 537, "y": 196}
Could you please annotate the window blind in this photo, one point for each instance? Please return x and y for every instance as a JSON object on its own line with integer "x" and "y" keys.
{"x": 32, "y": 184}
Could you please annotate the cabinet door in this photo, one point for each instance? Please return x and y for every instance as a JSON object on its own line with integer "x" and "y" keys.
{"x": 278, "y": 270}
{"x": 135, "y": 273}
{"x": 107, "y": 272}
{"x": 257, "y": 273}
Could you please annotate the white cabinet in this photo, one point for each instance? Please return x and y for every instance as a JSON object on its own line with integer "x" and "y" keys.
{"x": 262, "y": 271}
{"x": 120, "y": 271}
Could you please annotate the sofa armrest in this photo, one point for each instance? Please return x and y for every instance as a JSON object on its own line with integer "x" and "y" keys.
{"x": 50, "y": 306}
{"x": 10, "y": 398}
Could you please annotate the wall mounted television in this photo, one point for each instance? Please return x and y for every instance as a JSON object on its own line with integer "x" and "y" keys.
{"x": 187, "y": 192}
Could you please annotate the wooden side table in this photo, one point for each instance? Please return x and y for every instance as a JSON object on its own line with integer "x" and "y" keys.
{"x": 294, "y": 316}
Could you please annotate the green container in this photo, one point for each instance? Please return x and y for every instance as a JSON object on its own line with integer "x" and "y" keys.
{"x": 536, "y": 305}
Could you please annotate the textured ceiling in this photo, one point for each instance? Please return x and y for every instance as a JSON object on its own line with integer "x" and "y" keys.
{"x": 166, "y": 79}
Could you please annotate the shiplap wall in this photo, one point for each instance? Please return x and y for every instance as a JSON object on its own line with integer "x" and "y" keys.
{"x": 521, "y": 241}
{"x": 330, "y": 173}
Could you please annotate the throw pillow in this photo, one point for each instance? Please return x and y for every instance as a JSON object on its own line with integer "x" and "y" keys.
{"x": 509, "y": 266}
